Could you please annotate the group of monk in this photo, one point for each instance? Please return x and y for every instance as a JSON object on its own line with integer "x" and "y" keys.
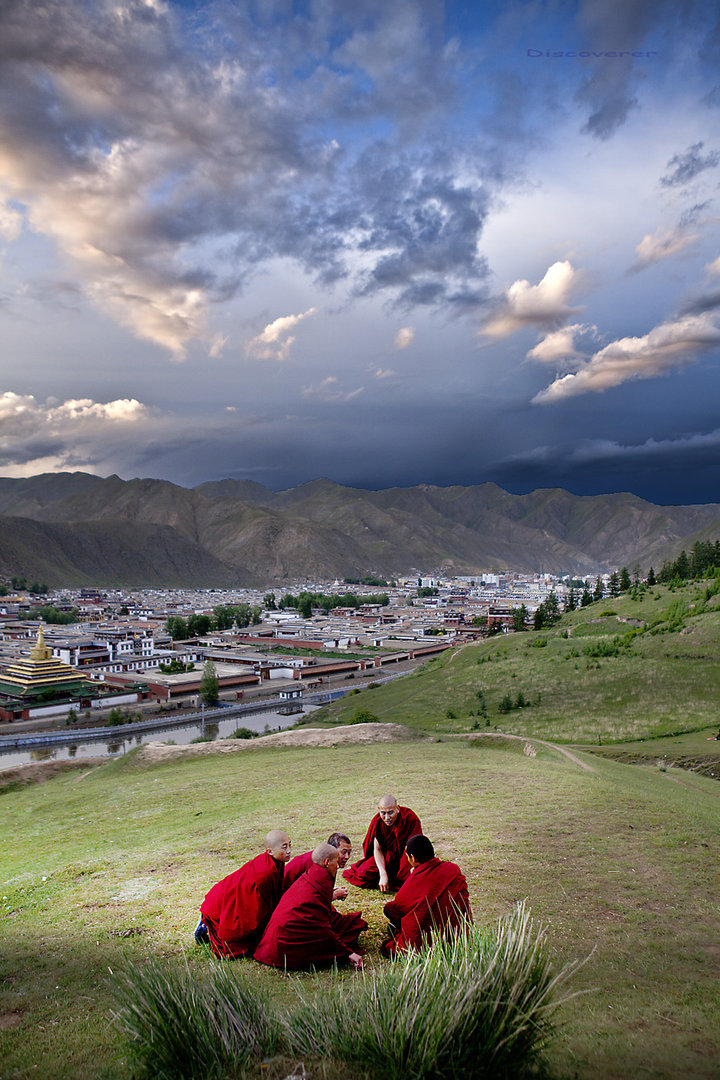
{"x": 279, "y": 910}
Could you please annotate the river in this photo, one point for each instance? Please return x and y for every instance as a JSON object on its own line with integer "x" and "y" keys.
{"x": 261, "y": 722}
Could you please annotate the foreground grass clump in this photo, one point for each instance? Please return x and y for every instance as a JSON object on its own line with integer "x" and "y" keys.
{"x": 183, "y": 1025}
{"x": 478, "y": 1004}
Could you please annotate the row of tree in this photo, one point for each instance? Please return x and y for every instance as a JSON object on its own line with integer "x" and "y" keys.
{"x": 224, "y": 617}
{"x": 305, "y": 601}
{"x": 704, "y": 556}
{"x": 19, "y": 584}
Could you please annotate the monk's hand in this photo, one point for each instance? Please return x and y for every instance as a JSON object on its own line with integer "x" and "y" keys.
{"x": 356, "y": 961}
{"x": 340, "y": 893}
{"x": 384, "y": 883}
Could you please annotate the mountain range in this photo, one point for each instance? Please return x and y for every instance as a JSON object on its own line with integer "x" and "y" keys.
{"x": 76, "y": 529}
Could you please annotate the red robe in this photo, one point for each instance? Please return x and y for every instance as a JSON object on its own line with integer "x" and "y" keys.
{"x": 300, "y": 934}
{"x": 392, "y": 840}
{"x": 347, "y": 926}
{"x": 295, "y": 868}
{"x": 434, "y": 899}
{"x": 237, "y": 909}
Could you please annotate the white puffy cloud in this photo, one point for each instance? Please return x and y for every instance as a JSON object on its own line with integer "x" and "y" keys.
{"x": 714, "y": 266}
{"x": 276, "y": 340}
{"x": 545, "y": 304}
{"x": 557, "y": 345}
{"x": 404, "y": 337}
{"x": 383, "y": 373}
{"x": 662, "y": 244}
{"x": 670, "y": 345}
{"x": 48, "y": 436}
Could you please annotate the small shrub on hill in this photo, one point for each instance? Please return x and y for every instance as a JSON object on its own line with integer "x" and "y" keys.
{"x": 364, "y": 716}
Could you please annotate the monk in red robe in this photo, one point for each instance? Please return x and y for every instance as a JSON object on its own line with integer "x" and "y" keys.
{"x": 384, "y": 863}
{"x": 236, "y": 911}
{"x": 300, "y": 934}
{"x": 347, "y": 926}
{"x": 433, "y": 900}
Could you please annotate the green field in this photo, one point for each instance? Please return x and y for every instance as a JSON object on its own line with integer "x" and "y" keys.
{"x": 615, "y": 671}
{"x": 109, "y": 865}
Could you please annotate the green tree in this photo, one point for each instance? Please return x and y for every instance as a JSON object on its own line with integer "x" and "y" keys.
{"x": 269, "y": 601}
{"x": 198, "y": 625}
{"x": 50, "y": 614}
{"x": 614, "y": 585}
{"x": 519, "y": 618}
{"x": 651, "y": 577}
{"x": 305, "y": 605}
{"x": 624, "y": 581}
{"x": 598, "y": 593}
{"x": 586, "y": 596}
{"x": 552, "y": 609}
{"x": 571, "y": 605}
{"x": 209, "y": 684}
{"x": 177, "y": 628}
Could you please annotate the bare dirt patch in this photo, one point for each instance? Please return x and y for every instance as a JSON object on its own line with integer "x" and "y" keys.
{"x": 10, "y": 1020}
{"x": 36, "y": 772}
{"x": 152, "y": 753}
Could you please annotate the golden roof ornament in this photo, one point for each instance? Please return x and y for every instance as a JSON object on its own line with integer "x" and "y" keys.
{"x": 39, "y": 650}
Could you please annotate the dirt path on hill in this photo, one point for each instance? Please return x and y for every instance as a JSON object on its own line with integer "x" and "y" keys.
{"x": 531, "y": 741}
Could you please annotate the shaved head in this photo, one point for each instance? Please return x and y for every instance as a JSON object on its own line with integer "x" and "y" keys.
{"x": 328, "y": 856}
{"x": 277, "y": 844}
{"x": 389, "y": 810}
{"x": 323, "y": 852}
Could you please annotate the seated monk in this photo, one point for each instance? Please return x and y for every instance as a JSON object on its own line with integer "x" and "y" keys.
{"x": 433, "y": 900}
{"x": 347, "y": 926}
{"x": 236, "y": 911}
{"x": 300, "y": 934}
{"x": 384, "y": 862}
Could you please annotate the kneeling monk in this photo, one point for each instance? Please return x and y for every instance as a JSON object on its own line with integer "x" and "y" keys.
{"x": 433, "y": 900}
{"x": 349, "y": 925}
{"x": 300, "y": 934}
{"x": 384, "y": 863}
{"x": 237, "y": 909}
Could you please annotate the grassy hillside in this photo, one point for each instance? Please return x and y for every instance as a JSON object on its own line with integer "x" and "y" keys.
{"x": 110, "y": 865}
{"x": 616, "y": 670}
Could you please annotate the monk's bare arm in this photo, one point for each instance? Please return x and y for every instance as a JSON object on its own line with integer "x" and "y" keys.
{"x": 382, "y": 868}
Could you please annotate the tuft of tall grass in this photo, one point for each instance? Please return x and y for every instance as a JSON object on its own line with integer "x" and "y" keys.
{"x": 192, "y": 1026}
{"x": 477, "y": 1004}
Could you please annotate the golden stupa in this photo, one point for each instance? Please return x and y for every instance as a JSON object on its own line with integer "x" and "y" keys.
{"x": 41, "y": 674}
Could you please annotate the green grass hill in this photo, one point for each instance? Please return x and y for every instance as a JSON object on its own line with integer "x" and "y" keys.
{"x": 108, "y": 866}
{"x": 617, "y": 670}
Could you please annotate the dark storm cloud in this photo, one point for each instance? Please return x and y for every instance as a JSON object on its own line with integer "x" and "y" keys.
{"x": 169, "y": 152}
{"x": 701, "y": 304}
{"x": 608, "y": 91}
{"x": 685, "y": 167}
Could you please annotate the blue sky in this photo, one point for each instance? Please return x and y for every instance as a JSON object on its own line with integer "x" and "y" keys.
{"x": 422, "y": 242}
